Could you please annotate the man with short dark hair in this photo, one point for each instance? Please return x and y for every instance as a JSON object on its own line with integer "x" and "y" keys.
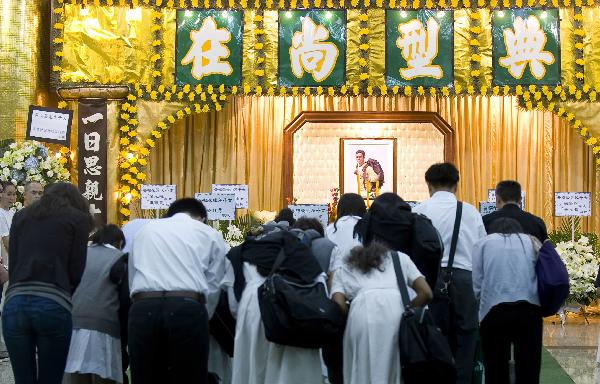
{"x": 460, "y": 324}
{"x": 33, "y": 192}
{"x": 175, "y": 270}
{"x": 369, "y": 171}
{"x": 508, "y": 203}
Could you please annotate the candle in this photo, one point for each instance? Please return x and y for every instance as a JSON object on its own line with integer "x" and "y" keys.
{"x": 377, "y": 188}
{"x": 368, "y": 193}
{"x": 358, "y": 181}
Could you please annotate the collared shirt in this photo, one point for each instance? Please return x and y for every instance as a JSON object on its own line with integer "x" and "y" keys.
{"x": 343, "y": 236}
{"x": 504, "y": 271}
{"x": 130, "y": 230}
{"x": 441, "y": 209}
{"x": 178, "y": 254}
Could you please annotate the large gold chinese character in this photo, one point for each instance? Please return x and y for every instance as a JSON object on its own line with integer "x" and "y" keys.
{"x": 419, "y": 47}
{"x": 309, "y": 53}
{"x": 208, "y": 50}
{"x": 525, "y": 46}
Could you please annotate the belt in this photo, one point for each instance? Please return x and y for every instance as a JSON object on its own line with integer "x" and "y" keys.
{"x": 199, "y": 297}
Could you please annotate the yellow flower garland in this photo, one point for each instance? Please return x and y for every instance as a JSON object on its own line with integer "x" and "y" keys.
{"x": 133, "y": 151}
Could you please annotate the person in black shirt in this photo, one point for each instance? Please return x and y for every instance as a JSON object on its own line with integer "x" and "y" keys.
{"x": 508, "y": 202}
{"x": 47, "y": 247}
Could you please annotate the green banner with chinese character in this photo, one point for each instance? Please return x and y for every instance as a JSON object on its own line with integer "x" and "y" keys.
{"x": 312, "y": 48}
{"x": 208, "y": 47}
{"x": 419, "y": 48}
{"x": 526, "y": 46}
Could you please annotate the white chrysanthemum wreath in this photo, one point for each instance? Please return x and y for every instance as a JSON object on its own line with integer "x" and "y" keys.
{"x": 582, "y": 265}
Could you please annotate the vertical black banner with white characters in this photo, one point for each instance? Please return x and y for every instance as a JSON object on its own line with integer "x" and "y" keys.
{"x": 92, "y": 138}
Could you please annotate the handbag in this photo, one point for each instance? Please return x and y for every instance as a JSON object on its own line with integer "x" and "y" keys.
{"x": 299, "y": 315}
{"x": 425, "y": 355}
{"x": 442, "y": 308}
{"x": 552, "y": 279}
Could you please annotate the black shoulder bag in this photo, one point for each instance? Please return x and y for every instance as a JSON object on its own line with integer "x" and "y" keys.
{"x": 442, "y": 308}
{"x": 425, "y": 356}
{"x": 299, "y": 315}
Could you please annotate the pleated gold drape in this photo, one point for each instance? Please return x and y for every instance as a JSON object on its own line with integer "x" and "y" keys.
{"x": 494, "y": 140}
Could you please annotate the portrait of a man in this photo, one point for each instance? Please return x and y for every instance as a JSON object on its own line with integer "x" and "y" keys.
{"x": 370, "y": 173}
{"x": 367, "y": 166}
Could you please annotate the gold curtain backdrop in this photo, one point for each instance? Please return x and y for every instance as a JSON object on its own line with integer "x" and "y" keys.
{"x": 24, "y": 63}
{"x": 494, "y": 140}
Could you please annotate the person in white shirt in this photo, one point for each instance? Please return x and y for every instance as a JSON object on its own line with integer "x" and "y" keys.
{"x": 505, "y": 282}
{"x": 368, "y": 280}
{"x": 176, "y": 266}
{"x": 460, "y": 324}
{"x": 130, "y": 229}
{"x": 350, "y": 209}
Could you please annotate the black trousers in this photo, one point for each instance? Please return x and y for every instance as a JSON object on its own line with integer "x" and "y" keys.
{"x": 519, "y": 325}
{"x": 459, "y": 324}
{"x": 168, "y": 341}
{"x": 333, "y": 357}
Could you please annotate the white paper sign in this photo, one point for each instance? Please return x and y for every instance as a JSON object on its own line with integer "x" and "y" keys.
{"x": 572, "y": 204}
{"x": 47, "y": 124}
{"x": 318, "y": 211}
{"x": 156, "y": 196}
{"x": 239, "y": 190}
{"x": 492, "y": 197}
{"x": 218, "y": 207}
{"x": 486, "y": 207}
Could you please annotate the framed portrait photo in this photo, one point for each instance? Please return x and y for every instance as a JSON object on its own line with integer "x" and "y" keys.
{"x": 368, "y": 164}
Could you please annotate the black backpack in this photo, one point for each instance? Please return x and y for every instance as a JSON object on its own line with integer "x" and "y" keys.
{"x": 299, "y": 315}
{"x": 425, "y": 355}
{"x": 426, "y": 249}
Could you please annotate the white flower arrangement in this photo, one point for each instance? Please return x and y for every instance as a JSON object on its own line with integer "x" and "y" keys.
{"x": 233, "y": 235}
{"x": 31, "y": 161}
{"x": 582, "y": 265}
{"x": 234, "y": 232}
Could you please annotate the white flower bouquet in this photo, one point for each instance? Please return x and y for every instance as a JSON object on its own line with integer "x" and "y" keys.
{"x": 233, "y": 235}
{"x": 582, "y": 265}
{"x": 234, "y": 232}
{"x": 31, "y": 161}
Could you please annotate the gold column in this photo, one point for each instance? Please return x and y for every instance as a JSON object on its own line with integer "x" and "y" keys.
{"x": 24, "y": 62}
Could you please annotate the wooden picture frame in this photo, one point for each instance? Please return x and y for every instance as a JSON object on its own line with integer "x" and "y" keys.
{"x": 353, "y": 117}
{"x": 348, "y": 147}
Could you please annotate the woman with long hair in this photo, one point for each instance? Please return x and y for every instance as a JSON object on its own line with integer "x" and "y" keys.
{"x": 95, "y": 351}
{"x": 505, "y": 282}
{"x": 368, "y": 281}
{"x": 48, "y": 246}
